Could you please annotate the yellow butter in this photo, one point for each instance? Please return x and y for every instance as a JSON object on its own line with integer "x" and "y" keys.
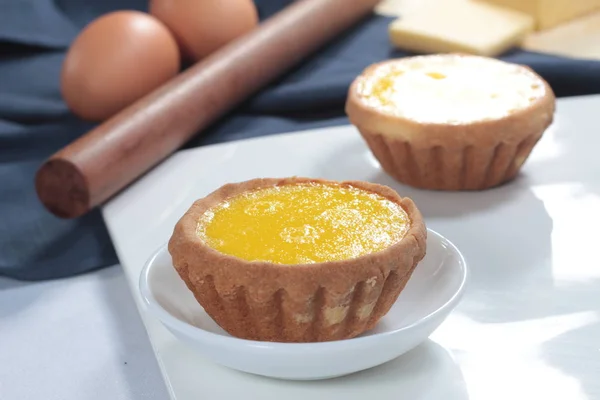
{"x": 567, "y": 39}
{"x": 303, "y": 224}
{"x": 549, "y": 13}
{"x": 461, "y": 26}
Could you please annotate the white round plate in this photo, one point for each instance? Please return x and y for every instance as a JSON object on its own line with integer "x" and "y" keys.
{"x": 434, "y": 289}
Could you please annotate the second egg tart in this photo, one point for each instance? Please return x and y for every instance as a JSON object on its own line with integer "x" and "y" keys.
{"x": 298, "y": 259}
{"x": 450, "y": 121}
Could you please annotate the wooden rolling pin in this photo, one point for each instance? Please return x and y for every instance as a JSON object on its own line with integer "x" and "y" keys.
{"x": 92, "y": 169}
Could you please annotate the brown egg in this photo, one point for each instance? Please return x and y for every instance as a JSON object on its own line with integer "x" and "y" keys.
{"x": 115, "y": 60}
{"x": 203, "y": 26}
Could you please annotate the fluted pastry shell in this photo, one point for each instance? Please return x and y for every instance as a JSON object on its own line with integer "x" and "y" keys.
{"x": 472, "y": 155}
{"x": 295, "y": 303}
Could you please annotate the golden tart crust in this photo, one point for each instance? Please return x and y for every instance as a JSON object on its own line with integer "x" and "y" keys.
{"x": 452, "y": 155}
{"x": 295, "y": 303}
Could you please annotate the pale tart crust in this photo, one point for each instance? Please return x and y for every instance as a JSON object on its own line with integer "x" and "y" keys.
{"x": 469, "y": 156}
{"x": 295, "y": 303}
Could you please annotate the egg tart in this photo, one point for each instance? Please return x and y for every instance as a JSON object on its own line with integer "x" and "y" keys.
{"x": 298, "y": 259}
{"x": 450, "y": 121}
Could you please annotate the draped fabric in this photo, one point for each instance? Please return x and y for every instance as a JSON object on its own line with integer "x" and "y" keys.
{"x": 34, "y": 121}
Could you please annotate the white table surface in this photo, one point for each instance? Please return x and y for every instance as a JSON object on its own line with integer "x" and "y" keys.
{"x": 75, "y": 339}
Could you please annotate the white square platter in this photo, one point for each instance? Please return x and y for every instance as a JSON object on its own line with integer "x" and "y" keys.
{"x": 528, "y": 326}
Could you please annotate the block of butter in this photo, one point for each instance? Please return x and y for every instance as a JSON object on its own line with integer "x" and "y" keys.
{"x": 461, "y": 26}
{"x": 549, "y": 13}
{"x": 579, "y": 38}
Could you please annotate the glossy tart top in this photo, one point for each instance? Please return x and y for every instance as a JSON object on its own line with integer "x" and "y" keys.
{"x": 350, "y": 230}
{"x": 303, "y": 223}
{"x": 449, "y": 88}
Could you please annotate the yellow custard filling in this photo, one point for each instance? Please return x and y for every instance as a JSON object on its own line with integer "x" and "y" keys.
{"x": 303, "y": 223}
{"x": 449, "y": 88}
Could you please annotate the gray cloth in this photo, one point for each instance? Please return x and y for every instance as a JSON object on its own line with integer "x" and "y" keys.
{"x": 34, "y": 122}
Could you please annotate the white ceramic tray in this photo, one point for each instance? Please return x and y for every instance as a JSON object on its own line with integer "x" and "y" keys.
{"x": 528, "y": 326}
